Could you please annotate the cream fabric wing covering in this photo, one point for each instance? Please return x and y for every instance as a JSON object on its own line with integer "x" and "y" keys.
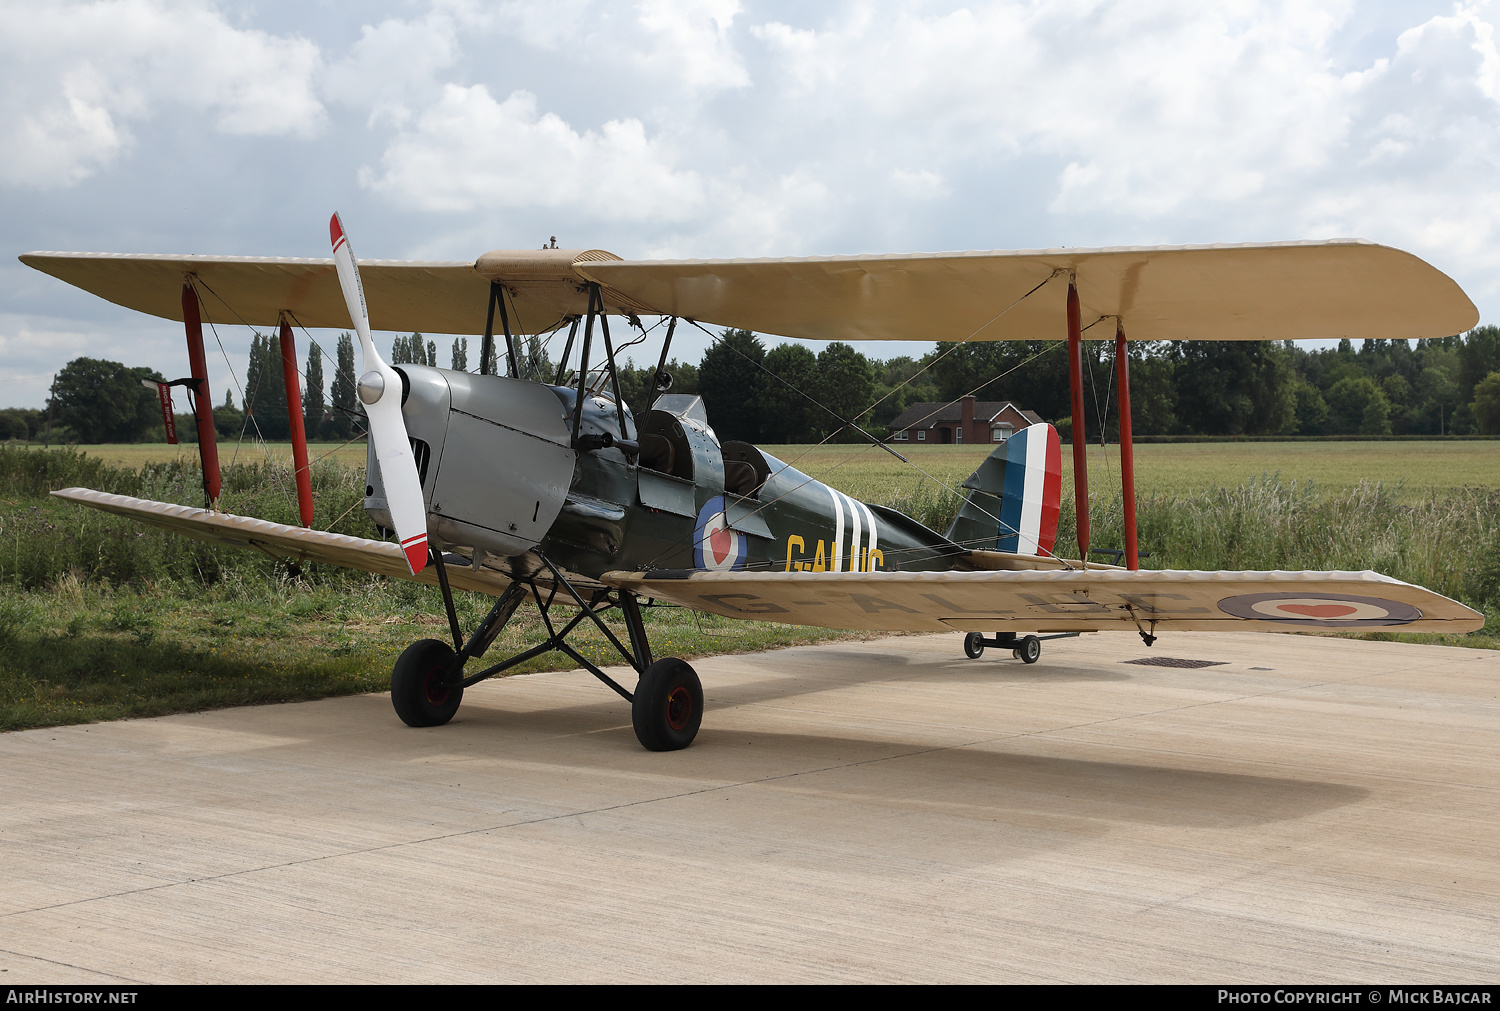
{"x": 1255, "y": 291}
{"x": 438, "y": 296}
{"x": 1060, "y": 601}
{"x": 295, "y": 544}
{"x": 1266, "y": 291}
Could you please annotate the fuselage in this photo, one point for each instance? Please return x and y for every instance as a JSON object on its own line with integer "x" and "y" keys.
{"x": 502, "y": 480}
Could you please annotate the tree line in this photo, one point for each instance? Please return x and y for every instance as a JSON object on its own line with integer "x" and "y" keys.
{"x": 789, "y": 393}
{"x": 1439, "y": 386}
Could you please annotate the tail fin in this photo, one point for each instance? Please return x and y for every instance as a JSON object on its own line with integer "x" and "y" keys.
{"x": 1014, "y": 496}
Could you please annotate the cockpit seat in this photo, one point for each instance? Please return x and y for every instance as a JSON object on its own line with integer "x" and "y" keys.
{"x": 657, "y": 453}
{"x": 740, "y": 478}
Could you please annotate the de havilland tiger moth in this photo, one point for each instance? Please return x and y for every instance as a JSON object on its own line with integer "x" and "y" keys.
{"x": 557, "y": 494}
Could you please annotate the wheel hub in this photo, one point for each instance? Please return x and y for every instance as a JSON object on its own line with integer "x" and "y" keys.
{"x": 679, "y": 708}
{"x": 433, "y": 687}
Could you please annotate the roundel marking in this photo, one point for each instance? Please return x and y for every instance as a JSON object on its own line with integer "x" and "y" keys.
{"x": 717, "y": 546}
{"x": 1327, "y": 610}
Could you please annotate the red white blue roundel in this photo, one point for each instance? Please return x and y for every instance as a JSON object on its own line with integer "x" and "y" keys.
{"x": 1325, "y": 610}
{"x": 716, "y": 546}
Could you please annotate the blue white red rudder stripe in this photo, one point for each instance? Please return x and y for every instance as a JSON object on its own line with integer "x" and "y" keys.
{"x": 1013, "y": 497}
{"x": 1033, "y": 491}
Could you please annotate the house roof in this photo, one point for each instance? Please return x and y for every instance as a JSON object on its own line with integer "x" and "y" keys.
{"x": 928, "y": 415}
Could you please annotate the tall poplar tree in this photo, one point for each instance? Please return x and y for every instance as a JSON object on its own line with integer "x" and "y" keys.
{"x": 730, "y": 380}
{"x": 312, "y": 392}
{"x": 345, "y": 399}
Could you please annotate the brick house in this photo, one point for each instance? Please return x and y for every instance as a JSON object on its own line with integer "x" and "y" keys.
{"x": 961, "y": 421}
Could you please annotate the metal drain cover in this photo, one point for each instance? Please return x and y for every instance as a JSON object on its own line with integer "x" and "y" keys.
{"x": 1172, "y": 661}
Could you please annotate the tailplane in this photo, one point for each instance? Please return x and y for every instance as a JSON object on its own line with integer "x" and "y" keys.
{"x": 1014, "y": 496}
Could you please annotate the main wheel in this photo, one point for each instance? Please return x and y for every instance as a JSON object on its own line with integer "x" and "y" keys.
{"x": 974, "y": 645}
{"x": 668, "y": 706}
{"x": 1029, "y": 649}
{"x": 417, "y": 689}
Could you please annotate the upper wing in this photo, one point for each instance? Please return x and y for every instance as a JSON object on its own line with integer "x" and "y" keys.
{"x": 1061, "y": 601}
{"x": 1267, "y": 291}
{"x": 1257, "y": 291}
{"x": 430, "y": 296}
{"x": 295, "y": 544}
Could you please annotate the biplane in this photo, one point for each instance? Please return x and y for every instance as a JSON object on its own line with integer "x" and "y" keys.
{"x": 555, "y": 494}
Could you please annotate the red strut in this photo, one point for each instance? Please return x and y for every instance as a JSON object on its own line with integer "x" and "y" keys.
{"x": 1127, "y": 447}
{"x": 1080, "y": 445}
{"x": 294, "y": 419}
{"x": 208, "y": 445}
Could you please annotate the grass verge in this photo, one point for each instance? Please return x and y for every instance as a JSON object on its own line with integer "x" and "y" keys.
{"x": 82, "y": 652}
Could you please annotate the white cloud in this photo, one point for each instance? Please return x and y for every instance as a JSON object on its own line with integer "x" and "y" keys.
{"x": 690, "y": 40}
{"x": 469, "y": 152}
{"x": 923, "y": 184}
{"x": 1166, "y": 121}
{"x": 681, "y": 46}
{"x": 73, "y": 76}
{"x": 393, "y": 64}
{"x": 1152, "y": 103}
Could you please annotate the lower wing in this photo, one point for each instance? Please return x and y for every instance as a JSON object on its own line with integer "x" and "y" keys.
{"x": 1073, "y": 600}
{"x": 288, "y": 543}
{"x": 1023, "y": 600}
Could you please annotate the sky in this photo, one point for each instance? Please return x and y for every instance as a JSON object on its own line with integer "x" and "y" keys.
{"x": 687, "y": 128}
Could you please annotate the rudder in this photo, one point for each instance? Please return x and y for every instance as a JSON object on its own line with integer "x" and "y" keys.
{"x": 1014, "y": 496}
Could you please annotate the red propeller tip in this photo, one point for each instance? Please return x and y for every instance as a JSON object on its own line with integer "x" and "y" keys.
{"x": 416, "y": 553}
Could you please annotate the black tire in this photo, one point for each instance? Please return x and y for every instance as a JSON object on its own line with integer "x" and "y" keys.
{"x": 1029, "y": 649}
{"x": 668, "y": 706}
{"x": 974, "y": 645}
{"x": 417, "y": 690}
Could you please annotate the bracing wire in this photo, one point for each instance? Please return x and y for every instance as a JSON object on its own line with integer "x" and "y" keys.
{"x": 935, "y": 479}
{"x": 954, "y": 347}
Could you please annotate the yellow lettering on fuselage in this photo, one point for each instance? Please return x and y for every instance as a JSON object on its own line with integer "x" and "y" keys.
{"x": 870, "y": 559}
{"x": 800, "y": 545}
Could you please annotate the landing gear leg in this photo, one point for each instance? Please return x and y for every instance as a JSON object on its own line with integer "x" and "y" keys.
{"x": 666, "y": 707}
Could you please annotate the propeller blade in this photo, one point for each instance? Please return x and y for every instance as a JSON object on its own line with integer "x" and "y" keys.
{"x": 380, "y": 392}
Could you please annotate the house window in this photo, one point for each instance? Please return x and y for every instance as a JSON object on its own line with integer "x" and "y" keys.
{"x": 922, "y": 436}
{"x": 1001, "y": 432}
{"x": 899, "y": 437}
{"x": 958, "y": 434}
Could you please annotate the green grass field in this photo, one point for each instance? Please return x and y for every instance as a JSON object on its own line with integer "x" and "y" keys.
{"x": 139, "y": 453}
{"x": 1175, "y": 469}
{"x": 1162, "y": 469}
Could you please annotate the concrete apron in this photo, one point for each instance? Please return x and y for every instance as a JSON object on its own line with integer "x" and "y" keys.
{"x": 1308, "y": 809}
